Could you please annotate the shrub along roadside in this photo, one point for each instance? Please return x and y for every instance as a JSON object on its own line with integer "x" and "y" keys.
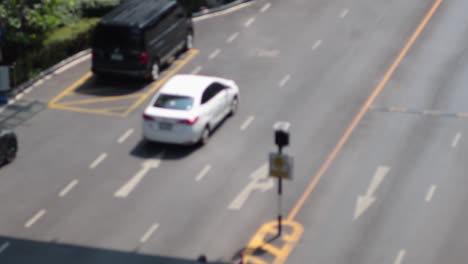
{"x": 59, "y": 45}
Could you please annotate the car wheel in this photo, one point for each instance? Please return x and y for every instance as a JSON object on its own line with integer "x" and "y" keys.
{"x": 205, "y": 136}
{"x": 188, "y": 42}
{"x": 11, "y": 150}
{"x": 154, "y": 74}
{"x": 234, "y": 106}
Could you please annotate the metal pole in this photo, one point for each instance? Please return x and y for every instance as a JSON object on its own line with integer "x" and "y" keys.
{"x": 280, "y": 192}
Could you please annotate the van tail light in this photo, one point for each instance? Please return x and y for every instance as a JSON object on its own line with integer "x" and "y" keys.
{"x": 189, "y": 121}
{"x": 148, "y": 117}
{"x": 143, "y": 59}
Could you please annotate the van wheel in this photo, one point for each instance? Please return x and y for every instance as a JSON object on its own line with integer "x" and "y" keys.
{"x": 188, "y": 42}
{"x": 154, "y": 74}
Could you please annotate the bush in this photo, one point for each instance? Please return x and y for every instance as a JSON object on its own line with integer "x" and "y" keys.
{"x": 97, "y": 8}
{"x": 60, "y": 44}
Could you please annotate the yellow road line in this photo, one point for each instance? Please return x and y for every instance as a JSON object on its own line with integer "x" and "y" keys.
{"x": 363, "y": 110}
{"x": 84, "y": 110}
{"x": 98, "y": 100}
{"x": 157, "y": 85}
{"x": 258, "y": 239}
{"x": 79, "y": 82}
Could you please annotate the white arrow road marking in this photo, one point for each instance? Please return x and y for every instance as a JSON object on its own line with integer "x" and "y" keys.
{"x": 148, "y": 233}
{"x": 365, "y": 201}
{"x": 260, "y": 181}
{"x": 401, "y": 255}
{"x": 146, "y": 166}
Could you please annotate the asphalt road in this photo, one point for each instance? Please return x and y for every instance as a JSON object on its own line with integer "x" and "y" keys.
{"x": 66, "y": 199}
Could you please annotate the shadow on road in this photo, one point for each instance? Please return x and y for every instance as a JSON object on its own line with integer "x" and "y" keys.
{"x": 21, "y": 251}
{"x": 111, "y": 86}
{"x": 146, "y": 149}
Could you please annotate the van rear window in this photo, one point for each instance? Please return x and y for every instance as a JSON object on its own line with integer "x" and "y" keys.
{"x": 115, "y": 36}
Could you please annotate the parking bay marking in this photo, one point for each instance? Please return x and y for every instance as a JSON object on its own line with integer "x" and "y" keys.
{"x": 260, "y": 181}
{"x": 56, "y": 103}
{"x": 146, "y": 166}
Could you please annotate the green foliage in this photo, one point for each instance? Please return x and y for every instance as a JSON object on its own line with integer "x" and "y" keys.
{"x": 97, "y": 8}
{"x": 26, "y": 22}
{"x": 59, "y": 45}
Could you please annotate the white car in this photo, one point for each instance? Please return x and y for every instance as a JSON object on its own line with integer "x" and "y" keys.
{"x": 187, "y": 108}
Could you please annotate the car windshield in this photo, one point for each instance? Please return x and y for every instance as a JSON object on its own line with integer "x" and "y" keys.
{"x": 176, "y": 102}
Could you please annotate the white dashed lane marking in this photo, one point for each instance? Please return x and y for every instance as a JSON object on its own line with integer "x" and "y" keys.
{"x": 35, "y": 218}
{"x": 197, "y": 70}
{"x": 4, "y": 247}
{"x": 249, "y": 22}
{"x": 400, "y": 257}
{"x": 68, "y": 188}
{"x": 214, "y": 54}
{"x": 430, "y": 192}
{"x": 98, "y": 160}
{"x": 232, "y": 37}
{"x": 456, "y": 139}
{"x": 284, "y": 80}
{"x": 265, "y": 7}
{"x": 203, "y": 172}
{"x": 317, "y": 44}
{"x": 344, "y": 13}
{"x": 247, "y": 122}
{"x": 125, "y": 136}
{"x": 148, "y": 233}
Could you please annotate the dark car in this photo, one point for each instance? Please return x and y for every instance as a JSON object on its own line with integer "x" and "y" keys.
{"x": 8, "y": 146}
{"x": 139, "y": 36}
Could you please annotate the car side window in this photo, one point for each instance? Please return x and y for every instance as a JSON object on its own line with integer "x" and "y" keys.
{"x": 212, "y": 90}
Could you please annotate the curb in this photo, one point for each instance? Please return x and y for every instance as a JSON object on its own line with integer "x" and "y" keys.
{"x": 50, "y": 71}
{"x": 14, "y": 91}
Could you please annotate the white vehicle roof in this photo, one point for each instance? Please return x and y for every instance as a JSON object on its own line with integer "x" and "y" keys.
{"x": 189, "y": 85}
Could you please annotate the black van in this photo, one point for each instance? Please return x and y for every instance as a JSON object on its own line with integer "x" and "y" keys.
{"x": 139, "y": 36}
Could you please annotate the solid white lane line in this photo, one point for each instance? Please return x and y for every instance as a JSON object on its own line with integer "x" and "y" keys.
{"x": 317, "y": 44}
{"x": 399, "y": 258}
{"x": 98, "y": 160}
{"x": 148, "y": 233}
{"x": 247, "y": 122}
{"x": 284, "y": 80}
{"x": 214, "y": 54}
{"x": 197, "y": 70}
{"x": 146, "y": 166}
{"x": 430, "y": 192}
{"x": 4, "y": 247}
{"x": 34, "y": 219}
{"x": 344, "y": 13}
{"x": 232, "y": 37}
{"x": 249, "y": 22}
{"x": 456, "y": 139}
{"x": 203, "y": 172}
{"x": 68, "y": 188}
{"x": 265, "y": 7}
{"x": 125, "y": 136}
{"x": 19, "y": 96}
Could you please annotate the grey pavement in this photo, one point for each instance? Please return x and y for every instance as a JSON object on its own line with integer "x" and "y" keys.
{"x": 312, "y": 63}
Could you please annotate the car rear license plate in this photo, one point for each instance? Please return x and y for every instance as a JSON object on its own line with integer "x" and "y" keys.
{"x": 116, "y": 57}
{"x": 165, "y": 126}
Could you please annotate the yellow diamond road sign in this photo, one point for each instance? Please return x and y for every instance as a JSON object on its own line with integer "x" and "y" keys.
{"x": 281, "y": 166}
